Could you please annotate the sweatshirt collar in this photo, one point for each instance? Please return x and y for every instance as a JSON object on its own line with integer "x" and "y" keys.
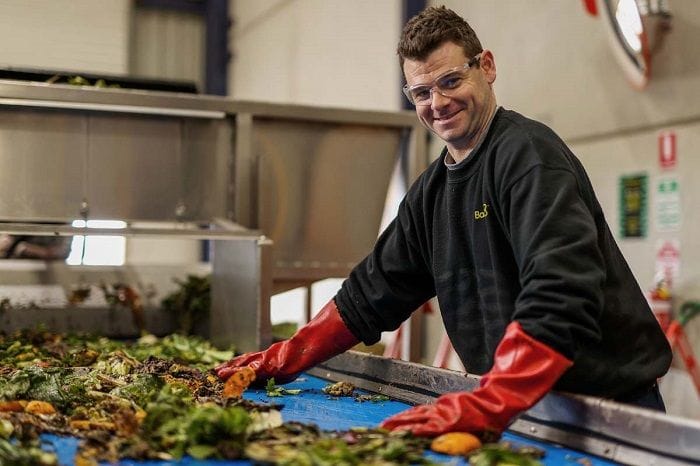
{"x": 449, "y": 163}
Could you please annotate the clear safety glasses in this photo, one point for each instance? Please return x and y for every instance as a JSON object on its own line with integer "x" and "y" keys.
{"x": 446, "y": 84}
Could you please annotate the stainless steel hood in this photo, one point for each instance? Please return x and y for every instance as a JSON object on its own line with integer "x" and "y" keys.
{"x": 311, "y": 182}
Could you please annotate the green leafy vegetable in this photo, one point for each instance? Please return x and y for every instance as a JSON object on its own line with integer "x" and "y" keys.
{"x": 25, "y": 454}
{"x": 298, "y": 444}
{"x": 190, "y": 303}
{"x": 275, "y": 390}
{"x": 203, "y": 431}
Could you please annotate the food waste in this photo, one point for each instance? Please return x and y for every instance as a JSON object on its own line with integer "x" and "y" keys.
{"x": 157, "y": 398}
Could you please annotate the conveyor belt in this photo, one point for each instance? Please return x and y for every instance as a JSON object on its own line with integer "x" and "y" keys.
{"x": 314, "y": 406}
{"x": 603, "y": 428}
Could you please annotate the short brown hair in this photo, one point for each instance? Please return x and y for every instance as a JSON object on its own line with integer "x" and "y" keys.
{"x": 431, "y": 28}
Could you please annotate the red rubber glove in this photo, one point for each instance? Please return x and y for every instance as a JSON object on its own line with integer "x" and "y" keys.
{"x": 523, "y": 371}
{"x": 320, "y": 339}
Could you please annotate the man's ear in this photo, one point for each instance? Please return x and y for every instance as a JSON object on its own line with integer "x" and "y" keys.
{"x": 488, "y": 65}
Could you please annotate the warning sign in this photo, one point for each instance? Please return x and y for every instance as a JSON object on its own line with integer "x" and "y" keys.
{"x": 667, "y": 203}
{"x": 668, "y": 261}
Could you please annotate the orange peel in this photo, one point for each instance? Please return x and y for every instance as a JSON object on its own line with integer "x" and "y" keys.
{"x": 238, "y": 382}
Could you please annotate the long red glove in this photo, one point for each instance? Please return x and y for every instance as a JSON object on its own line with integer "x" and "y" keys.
{"x": 322, "y": 338}
{"x": 524, "y": 370}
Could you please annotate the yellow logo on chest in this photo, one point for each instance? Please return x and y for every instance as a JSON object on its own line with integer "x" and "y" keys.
{"x": 483, "y": 213}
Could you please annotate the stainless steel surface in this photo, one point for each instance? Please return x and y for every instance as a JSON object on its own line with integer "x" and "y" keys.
{"x": 113, "y": 108}
{"x": 124, "y": 166}
{"x": 62, "y": 94}
{"x": 622, "y": 433}
{"x": 227, "y": 230}
{"x": 241, "y": 282}
{"x": 148, "y": 100}
{"x": 642, "y": 428}
{"x": 321, "y": 192}
{"x": 606, "y": 444}
{"x": 313, "y": 180}
{"x": 272, "y": 111}
{"x": 402, "y": 380}
{"x": 603, "y": 448}
{"x": 244, "y": 171}
{"x": 42, "y": 159}
{"x": 157, "y": 168}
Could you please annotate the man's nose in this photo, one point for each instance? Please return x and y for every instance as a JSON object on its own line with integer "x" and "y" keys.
{"x": 438, "y": 100}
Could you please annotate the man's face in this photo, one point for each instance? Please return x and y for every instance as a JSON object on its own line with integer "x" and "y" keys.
{"x": 459, "y": 119}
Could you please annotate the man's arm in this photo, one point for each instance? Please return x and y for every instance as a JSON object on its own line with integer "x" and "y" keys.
{"x": 325, "y": 336}
{"x": 524, "y": 370}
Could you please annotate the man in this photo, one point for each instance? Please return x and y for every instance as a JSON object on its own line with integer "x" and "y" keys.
{"x": 506, "y": 230}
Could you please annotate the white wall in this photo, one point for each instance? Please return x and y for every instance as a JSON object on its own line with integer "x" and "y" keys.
{"x": 82, "y": 35}
{"x": 318, "y": 52}
{"x": 554, "y": 63}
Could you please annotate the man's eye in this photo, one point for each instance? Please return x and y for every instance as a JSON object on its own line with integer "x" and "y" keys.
{"x": 450, "y": 82}
{"x": 421, "y": 93}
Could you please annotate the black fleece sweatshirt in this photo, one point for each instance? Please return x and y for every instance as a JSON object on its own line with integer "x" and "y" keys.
{"x": 515, "y": 233}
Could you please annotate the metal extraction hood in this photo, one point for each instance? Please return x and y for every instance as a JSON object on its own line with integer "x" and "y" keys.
{"x": 303, "y": 187}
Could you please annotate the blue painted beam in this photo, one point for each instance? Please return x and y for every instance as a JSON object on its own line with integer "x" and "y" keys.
{"x": 410, "y": 8}
{"x": 217, "y": 53}
{"x": 185, "y": 6}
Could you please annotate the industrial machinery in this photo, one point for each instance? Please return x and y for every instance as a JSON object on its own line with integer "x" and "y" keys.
{"x": 284, "y": 195}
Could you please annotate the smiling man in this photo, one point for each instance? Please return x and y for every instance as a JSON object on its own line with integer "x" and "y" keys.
{"x": 505, "y": 229}
{"x": 457, "y": 103}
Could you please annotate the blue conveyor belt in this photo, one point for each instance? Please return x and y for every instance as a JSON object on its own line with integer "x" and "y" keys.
{"x": 314, "y": 406}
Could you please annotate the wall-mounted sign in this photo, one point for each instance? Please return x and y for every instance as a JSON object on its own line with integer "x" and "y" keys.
{"x": 668, "y": 261}
{"x": 667, "y": 149}
{"x": 667, "y": 204}
{"x": 633, "y": 206}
